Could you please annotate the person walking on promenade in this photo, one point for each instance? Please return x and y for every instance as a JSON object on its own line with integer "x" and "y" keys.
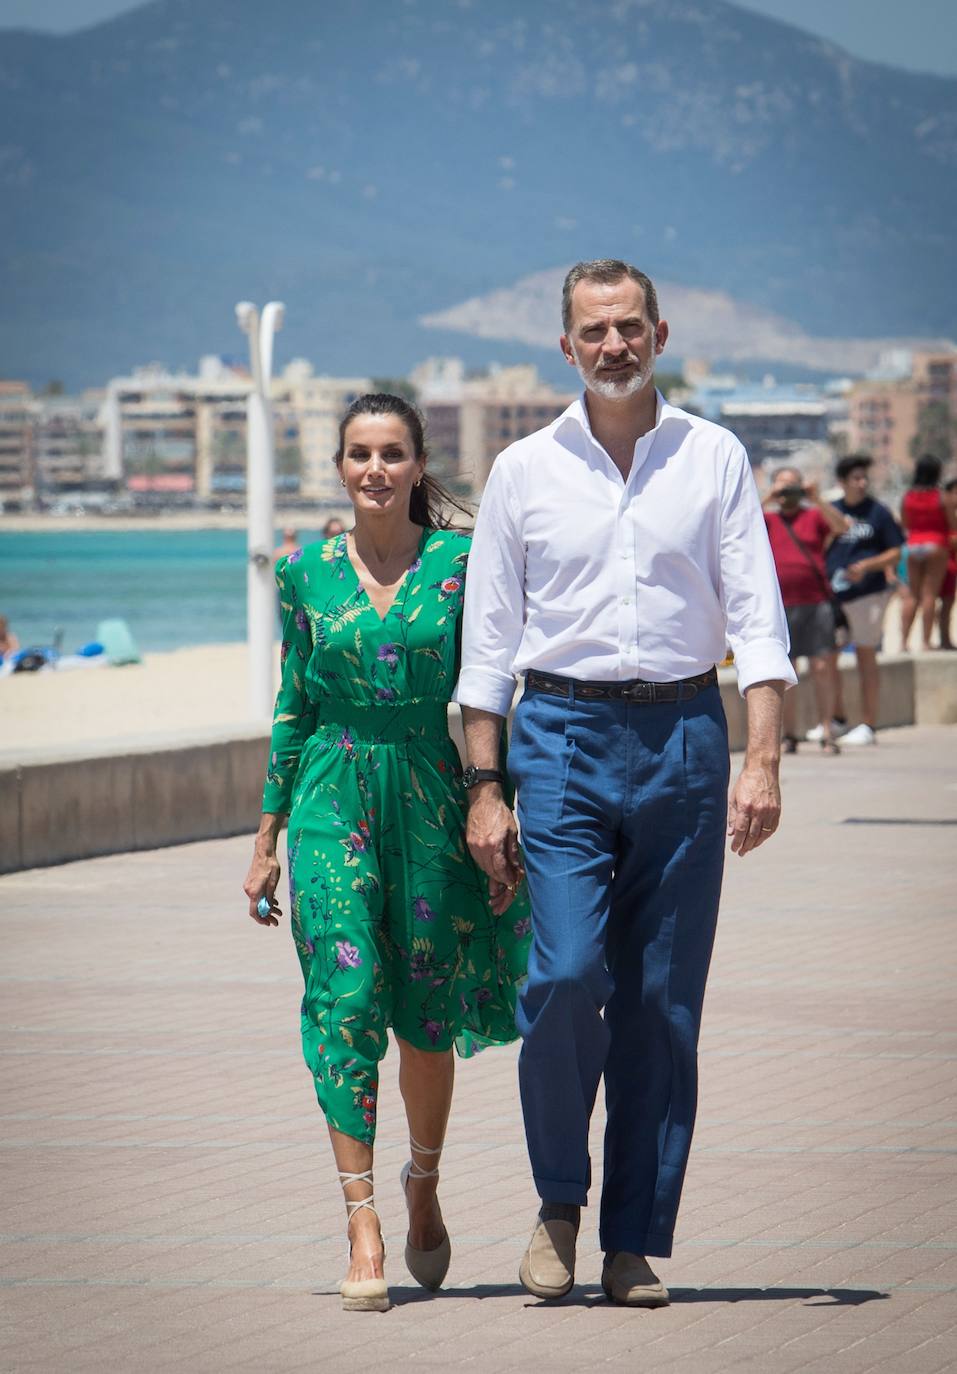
{"x": 614, "y": 552}
{"x": 928, "y": 523}
{"x": 858, "y": 562}
{"x": 392, "y": 919}
{"x": 800, "y": 529}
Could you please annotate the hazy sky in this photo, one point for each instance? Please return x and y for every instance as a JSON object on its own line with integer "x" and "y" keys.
{"x": 921, "y": 35}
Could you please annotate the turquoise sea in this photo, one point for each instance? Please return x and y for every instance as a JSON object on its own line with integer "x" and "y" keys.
{"x": 173, "y": 588}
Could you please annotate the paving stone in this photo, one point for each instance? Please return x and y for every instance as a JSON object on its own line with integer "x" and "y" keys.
{"x": 170, "y": 1200}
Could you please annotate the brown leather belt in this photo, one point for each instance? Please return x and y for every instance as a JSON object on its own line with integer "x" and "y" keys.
{"x": 638, "y": 691}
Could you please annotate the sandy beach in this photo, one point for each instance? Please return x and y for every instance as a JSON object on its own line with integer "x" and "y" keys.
{"x": 188, "y": 689}
{"x": 194, "y": 689}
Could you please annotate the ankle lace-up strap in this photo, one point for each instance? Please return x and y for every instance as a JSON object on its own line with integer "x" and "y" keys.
{"x": 415, "y": 1171}
{"x": 364, "y": 1177}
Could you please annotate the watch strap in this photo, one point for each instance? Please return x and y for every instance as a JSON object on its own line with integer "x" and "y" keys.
{"x": 472, "y": 776}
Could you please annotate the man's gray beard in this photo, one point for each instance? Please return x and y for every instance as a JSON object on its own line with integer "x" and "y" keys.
{"x": 608, "y": 388}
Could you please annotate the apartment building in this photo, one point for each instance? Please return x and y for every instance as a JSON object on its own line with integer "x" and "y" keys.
{"x": 887, "y": 414}
{"x": 471, "y": 419}
{"x": 314, "y": 406}
{"x": 17, "y": 471}
{"x": 182, "y": 436}
{"x": 68, "y": 445}
{"x": 774, "y": 431}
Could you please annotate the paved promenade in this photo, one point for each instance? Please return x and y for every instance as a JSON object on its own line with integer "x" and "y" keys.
{"x": 169, "y": 1200}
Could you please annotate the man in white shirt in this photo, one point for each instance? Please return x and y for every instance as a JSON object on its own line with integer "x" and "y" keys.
{"x": 616, "y": 552}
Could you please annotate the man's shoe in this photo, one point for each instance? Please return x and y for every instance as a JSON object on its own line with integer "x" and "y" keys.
{"x": 630, "y": 1280}
{"x": 548, "y": 1265}
{"x": 861, "y": 734}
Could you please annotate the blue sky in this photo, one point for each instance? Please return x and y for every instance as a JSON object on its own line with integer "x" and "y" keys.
{"x": 922, "y": 35}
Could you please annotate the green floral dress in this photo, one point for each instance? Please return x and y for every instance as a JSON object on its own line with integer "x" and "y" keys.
{"x": 389, "y": 912}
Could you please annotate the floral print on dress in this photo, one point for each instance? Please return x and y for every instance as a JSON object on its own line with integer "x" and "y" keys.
{"x": 390, "y": 915}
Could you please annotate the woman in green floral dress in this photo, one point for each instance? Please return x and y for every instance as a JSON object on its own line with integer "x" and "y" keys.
{"x": 392, "y": 919}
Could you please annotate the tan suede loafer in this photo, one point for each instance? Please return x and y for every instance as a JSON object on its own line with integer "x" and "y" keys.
{"x": 630, "y": 1280}
{"x": 548, "y": 1265}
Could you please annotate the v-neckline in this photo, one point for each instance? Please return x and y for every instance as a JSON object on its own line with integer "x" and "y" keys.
{"x": 400, "y": 589}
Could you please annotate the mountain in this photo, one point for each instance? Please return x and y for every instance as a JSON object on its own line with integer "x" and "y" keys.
{"x": 381, "y": 161}
{"x": 702, "y": 324}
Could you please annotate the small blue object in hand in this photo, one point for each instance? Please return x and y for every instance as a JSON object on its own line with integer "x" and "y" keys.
{"x": 264, "y": 906}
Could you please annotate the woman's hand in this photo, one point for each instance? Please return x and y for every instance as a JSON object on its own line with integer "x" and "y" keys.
{"x": 262, "y": 881}
{"x": 500, "y": 896}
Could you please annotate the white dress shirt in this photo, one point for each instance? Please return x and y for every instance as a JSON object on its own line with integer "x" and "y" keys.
{"x": 575, "y": 570}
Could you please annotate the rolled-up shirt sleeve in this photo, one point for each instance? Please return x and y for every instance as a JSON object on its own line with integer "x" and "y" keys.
{"x": 494, "y": 616}
{"x": 757, "y": 629}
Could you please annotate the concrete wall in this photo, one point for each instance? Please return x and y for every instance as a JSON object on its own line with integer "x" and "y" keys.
{"x": 142, "y": 794}
{"x": 171, "y": 789}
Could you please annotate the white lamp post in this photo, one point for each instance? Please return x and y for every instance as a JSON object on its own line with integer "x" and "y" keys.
{"x": 260, "y": 470}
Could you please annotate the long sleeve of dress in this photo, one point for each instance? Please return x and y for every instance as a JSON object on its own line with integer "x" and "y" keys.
{"x": 294, "y": 720}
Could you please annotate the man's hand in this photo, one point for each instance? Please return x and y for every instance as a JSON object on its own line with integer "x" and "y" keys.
{"x": 755, "y": 807}
{"x": 492, "y": 837}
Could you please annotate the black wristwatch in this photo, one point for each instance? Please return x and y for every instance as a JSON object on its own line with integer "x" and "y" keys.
{"x": 472, "y": 776}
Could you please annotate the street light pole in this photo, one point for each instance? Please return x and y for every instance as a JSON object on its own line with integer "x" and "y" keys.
{"x": 260, "y": 471}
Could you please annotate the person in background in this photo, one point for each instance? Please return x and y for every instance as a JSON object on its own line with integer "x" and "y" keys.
{"x": 9, "y": 644}
{"x": 800, "y": 529}
{"x": 949, "y": 584}
{"x": 858, "y": 562}
{"x": 290, "y": 543}
{"x": 332, "y": 527}
{"x": 928, "y": 524}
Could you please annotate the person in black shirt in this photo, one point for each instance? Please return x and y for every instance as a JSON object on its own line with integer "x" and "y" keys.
{"x": 857, "y": 564}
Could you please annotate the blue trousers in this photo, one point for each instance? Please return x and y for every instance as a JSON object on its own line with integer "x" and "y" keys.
{"x": 623, "y": 813}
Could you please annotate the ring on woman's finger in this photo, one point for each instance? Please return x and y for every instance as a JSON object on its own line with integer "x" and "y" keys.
{"x": 767, "y": 829}
{"x": 263, "y": 907}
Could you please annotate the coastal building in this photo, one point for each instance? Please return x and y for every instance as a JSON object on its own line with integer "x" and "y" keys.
{"x": 68, "y": 446}
{"x": 313, "y": 407}
{"x": 150, "y": 433}
{"x": 914, "y": 407}
{"x": 471, "y": 419}
{"x": 801, "y": 422}
{"x": 181, "y": 438}
{"x": 773, "y": 431}
{"x": 17, "y": 472}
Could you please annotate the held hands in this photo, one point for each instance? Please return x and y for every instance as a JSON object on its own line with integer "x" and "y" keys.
{"x": 492, "y": 837}
{"x": 755, "y": 808}
{"x": 261, "y": 882}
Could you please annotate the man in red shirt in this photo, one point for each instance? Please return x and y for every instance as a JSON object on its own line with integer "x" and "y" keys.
{"x": 800, "y": 527}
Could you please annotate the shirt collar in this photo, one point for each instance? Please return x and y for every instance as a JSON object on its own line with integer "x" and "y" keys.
{"x": 577, "y": 414}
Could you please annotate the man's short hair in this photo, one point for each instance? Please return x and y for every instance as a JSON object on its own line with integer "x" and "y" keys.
{"x": 850, "y": 462}
{"x": 607, "y": 271}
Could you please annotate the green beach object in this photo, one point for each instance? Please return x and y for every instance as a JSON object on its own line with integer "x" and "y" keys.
{"x": 118, "y": 643}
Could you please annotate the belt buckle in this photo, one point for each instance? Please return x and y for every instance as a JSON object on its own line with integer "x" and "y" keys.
{"x": 639, "y": 691}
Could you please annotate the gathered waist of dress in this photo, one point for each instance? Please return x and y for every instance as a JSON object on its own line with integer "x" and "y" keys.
{"x": 383, "y": 722}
